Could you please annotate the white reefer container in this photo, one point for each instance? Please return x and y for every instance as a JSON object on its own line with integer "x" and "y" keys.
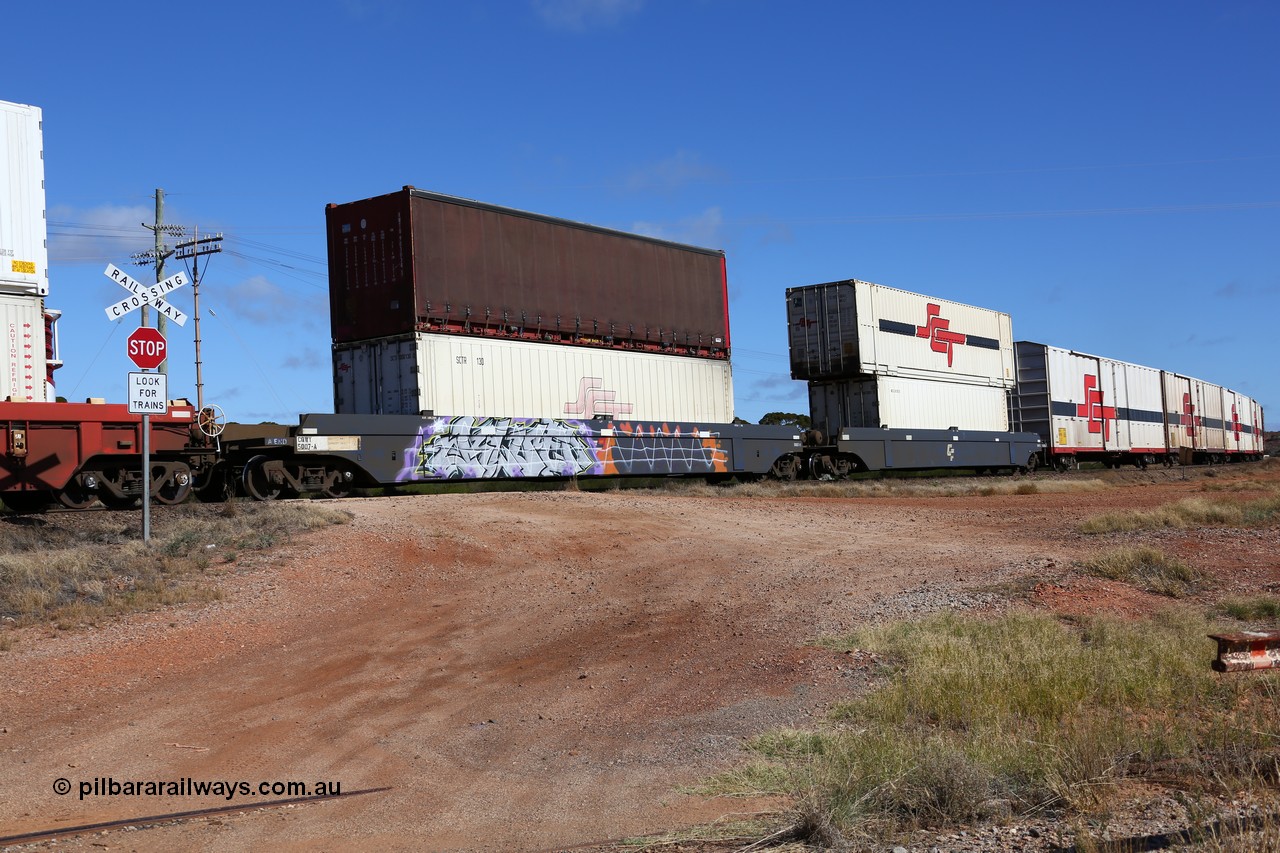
{"x": 1239, "y": 412}
{"x": 846, "y": 329}
{"x": 460, "y": 375}
{"x": 1086, "y": 405}
{"x": 1256, "y": 419}
{"x": 24, "y": 256}
{"x": 1208, "y": 417}
{"x": 1204, "y": 419}
{"x": 22, "y": 362}
{"x": 902, "y": 403}
{"x": 1259, "y": 427}
{"x": 1137, "y": 395}
{"x": 1179, "y": 413}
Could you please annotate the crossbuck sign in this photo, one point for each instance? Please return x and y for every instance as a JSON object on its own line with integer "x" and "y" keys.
{"x": 145, "y": 294}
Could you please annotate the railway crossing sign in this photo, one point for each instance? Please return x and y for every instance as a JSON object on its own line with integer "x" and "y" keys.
{"x": 145, "y": 294}
{"x": 147, "y": 348}
{"x": 148, "y": 393}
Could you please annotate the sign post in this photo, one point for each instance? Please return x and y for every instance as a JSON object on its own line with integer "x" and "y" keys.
{"x": 147, "y": 348}
{"x": 148, "y": 395}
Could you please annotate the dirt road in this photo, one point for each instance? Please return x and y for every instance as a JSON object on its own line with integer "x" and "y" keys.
{"x": 522, "y": 671}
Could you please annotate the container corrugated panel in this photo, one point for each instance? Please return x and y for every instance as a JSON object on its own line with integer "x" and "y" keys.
{"x": 1030, "y": 409}
{"x": 903, "y": 403}
{"x": 419, "y": 261}
{"x": 1137, "y": 396}
{"x": 478, "y": 376}
{"x": 854, "y": 328}
{"x": 24, "y": 256}
{"x": 22, "y": 364}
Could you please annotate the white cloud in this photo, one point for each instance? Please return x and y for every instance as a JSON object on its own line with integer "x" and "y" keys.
{"x": 579, "y": 16}
{"x": 103, "y": 234}
{"x": 308, "y": 359}
{"x": 704, "y": 229}
{"x": 667, "y": 175}
{"x": 259, "y": 300}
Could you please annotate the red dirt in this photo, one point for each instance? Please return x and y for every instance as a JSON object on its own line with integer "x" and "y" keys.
{"x": 524, "y": 671}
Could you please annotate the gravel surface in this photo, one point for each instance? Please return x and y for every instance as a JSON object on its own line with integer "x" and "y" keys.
{"x": 541, "y": 671}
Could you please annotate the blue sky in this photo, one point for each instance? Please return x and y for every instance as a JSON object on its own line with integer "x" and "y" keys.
{"x": 1107, "y": 173}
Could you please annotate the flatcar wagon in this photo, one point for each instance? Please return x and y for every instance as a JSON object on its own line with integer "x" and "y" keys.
{"x": 76, "y": 453}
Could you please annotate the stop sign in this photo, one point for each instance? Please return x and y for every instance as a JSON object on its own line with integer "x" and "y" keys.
{"x": 147, "y": 347}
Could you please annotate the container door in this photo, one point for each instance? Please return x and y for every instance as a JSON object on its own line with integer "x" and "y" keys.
{"x": 1178, "y": 427}
{"x": 1079, "y": 414}
{"x": 1117, "y": 434}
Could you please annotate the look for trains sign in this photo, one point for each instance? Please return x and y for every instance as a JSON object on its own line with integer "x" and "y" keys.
{"x": 148, "y": 394}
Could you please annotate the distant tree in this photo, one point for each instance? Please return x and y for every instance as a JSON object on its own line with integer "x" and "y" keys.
{"x": 786, "y": 419}
{"x": 741, "y": 421}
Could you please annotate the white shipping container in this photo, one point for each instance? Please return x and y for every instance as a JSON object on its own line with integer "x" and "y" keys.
{"x": 460, "y": 375}
{"x": 1137, "y": 395}
{"x": 1238, "y": 412}
{"x": 24, "y": 257}
{"x": 1259, "y": 425}
{"x": 856, "y": 328}
{"x": 1083, "y": 404}
{"x": 1210, "y": 425}
{"x": 1180, "y": 431}
{"x": 903, "y": 403}
{"x": 22, "y": 364}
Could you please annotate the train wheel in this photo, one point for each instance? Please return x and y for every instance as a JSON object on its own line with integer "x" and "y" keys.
{"x": 176, "y": 488}
{"x": 784, "y": 469}
{"x": 76, "y": 496}
{"x": 337, "y": 483}
{"x": 257, "y": 482}
{"x": 27, "y": 501}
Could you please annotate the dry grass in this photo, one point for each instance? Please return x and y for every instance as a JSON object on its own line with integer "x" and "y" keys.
{"x": 932, "y": 487}
{"x": 1219, "y": 511}
{"x": 1254, "y": 609}
{"x": 1022, "y": 714}
{"x": 74, "y": 569}
{"x": 1240, "y": 485}
{"x": 1146, "y": 568}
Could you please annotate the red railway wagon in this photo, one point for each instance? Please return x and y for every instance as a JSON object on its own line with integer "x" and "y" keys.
{"x": 76, "y": 453}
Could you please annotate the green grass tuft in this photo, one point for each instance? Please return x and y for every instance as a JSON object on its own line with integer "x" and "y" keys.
{"x": 1022, "y": 714}
{"x": 1146, "y": 568}
{"x": 1257, "y": 609}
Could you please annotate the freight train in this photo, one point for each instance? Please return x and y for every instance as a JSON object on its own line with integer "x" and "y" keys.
{"x": 477, "y": 342}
